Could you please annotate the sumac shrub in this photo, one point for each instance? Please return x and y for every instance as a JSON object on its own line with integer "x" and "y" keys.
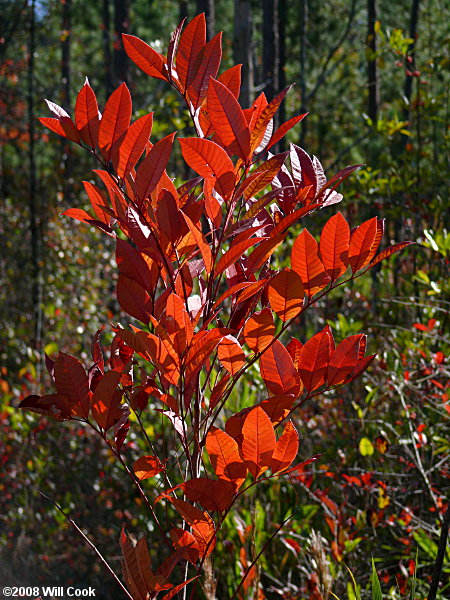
{"x": 195, "y": 269}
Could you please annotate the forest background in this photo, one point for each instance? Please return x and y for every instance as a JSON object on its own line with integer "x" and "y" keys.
{"x": 373, "y": 76}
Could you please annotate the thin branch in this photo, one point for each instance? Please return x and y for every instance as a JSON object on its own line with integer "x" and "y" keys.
{"x": 88, "y": 541}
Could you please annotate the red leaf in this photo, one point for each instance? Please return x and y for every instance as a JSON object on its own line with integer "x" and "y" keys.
{"x": 192, "y": 42}
{"x": 306, "y": 262}
{"x": 147, "y": 59}
{"x": 132, "y": 571}
{"x": 224, "y": 456}
{"x": 133, "y": 144}
{"x": 133, "y": 299}
{"x": 115, "y": 120}
{"x": 64, "y": 127}
{"x": 105, "y": 403}
{"x": 344, "y": 359}
{"x": 277, "y": 407}
{"x": 264, "y": 119}
{"x": 314, "y": 359}
{"x": 231, "y": 79}
{"x": 86, "y": 115}
{"x": 213, "y": 494}
{"x": 98, "y": 202}
{"x": 152, "y": 167}
{"x": 228, "y": 119}
{"x": 235, "y": 252}
{"x": 202, "y": 244}
{"x": 278, "y": 371}
{"x": 208, "y": 67}
{"x": 78, "y": 214}
{"x": 285, "y": 450}
{"x": 259, "y": 330}
{"x": 201, "y": 524}
{"x": 51, "y": 405}
{"x": 185, "y": 542}
{"x": 388, "y": 252}
{"x": 263, "y": 252}
{"x": 258, "y": 441}
{"x": 207, "y": 158}
{"x": 231, "y": 354}
{"x": 284, "y": 128}
{"x": 360, "y": 250}
{"x": 72, "y": 382}
{"x": 178, "y": 323}
{"x": 334, "y": 244}
{"x": 147, "y": 467}
{"x": 286, "y": 294}
{"x": 294, "y": 348}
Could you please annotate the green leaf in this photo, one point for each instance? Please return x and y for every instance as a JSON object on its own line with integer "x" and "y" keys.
{"x": 365, "y": 447}
{"x": 376, "y": 588}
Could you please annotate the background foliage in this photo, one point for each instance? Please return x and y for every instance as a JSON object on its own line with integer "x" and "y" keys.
{"x": 384, "y": 476}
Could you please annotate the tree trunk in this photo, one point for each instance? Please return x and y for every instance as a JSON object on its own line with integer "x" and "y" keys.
{"x": 372, "y": 75}
{"x": 108, "y": 76}
{"x": 207, "y": 7}
{"x": 282, "y": 18}
{"x": 242, "y": 48}
{"x": 120, "y": 58}
{"x": 271, "y": 56}
{"x": 66, "y": 100}
{"x": 35, "y": 245}
{"x": 302, "y": 78}
{"x": 182, "y": 10}
{"x": 413, "y": 23}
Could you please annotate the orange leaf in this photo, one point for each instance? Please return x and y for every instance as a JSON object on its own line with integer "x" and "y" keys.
{"x": 263, "y": 252}
{"x": 213, "y": 494}
{"x": 133, "y": 144}
{"x": 147, "y": 59}
{"x": 207, "y": 158}
{"x": 152, "y": 167}
{"x": 185, "y": 542}
{"x": 86, "y": 115}
{"x": 224, "y": 456}
{"x": 278, "y": 371}
{"x": 192, "y": 42}
{"x": 277, "y": 407}
{"x": 201, "y": 524}
{"x": 106, "y": 399}
{"x": 258, "y": 441}
{"x": 388, "y": 252}
{"x": 361, "y": 244}
{"x": 231, "y": 354}
{"x": 228, "y": 119}
{"x": 178, "y": 323}
{"x": 147, "y": 466}
{"x": 236, "y": 251}
{"x": 202, "y": 244}
{"x": 314, "y": 359}
{"x": 334, "y": 243}
{"x": 259, "y": 330}
{"x": 285, "y": 450}
{"x": 284, "y": 128}
{"x": 98, "y": 202}
{"x": 286, "y": 294}
{"x": 115, "y": 120}
{"x": 344, "y": 359}
{"x": 208, "y": 67}
{"x": 306, "y": 262}
{"x": 63, "y": 126}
